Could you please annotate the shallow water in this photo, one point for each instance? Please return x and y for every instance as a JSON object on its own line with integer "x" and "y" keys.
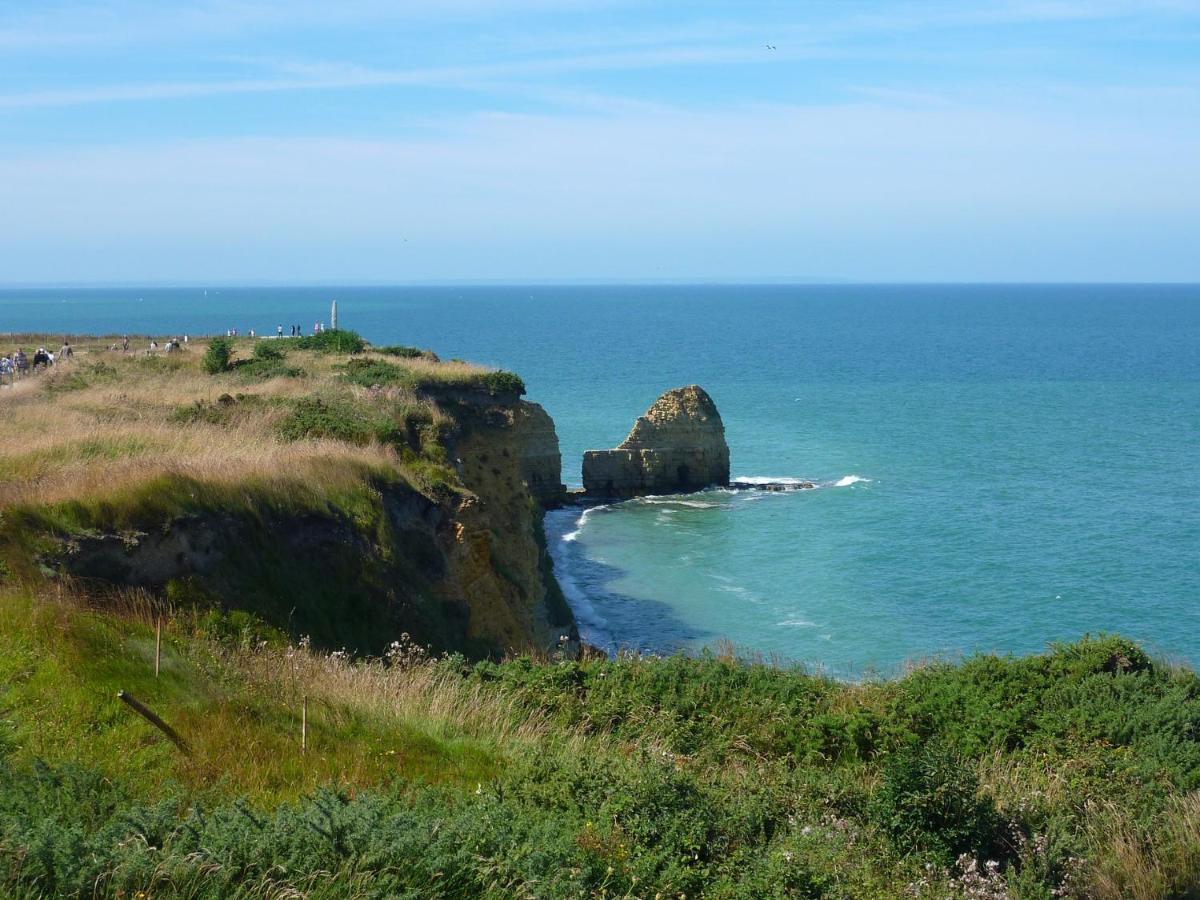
{"x": 998, "y": 466}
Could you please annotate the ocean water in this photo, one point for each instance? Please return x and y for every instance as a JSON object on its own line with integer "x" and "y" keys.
{"x": 998, "y": 466}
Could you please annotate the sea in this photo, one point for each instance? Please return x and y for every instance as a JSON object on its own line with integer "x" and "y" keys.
{"x": 998, "y": 467}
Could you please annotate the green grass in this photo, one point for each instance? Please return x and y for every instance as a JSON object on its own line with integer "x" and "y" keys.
{"x": 340, "y": 341}
{"x": 696, "y": 776}
{"x": 61, "y": 669}
{"x": 405, "y": 352}
{"x": 378, "y": 372}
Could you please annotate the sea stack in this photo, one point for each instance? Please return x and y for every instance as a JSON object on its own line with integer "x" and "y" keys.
{"x": 677, "y": 446}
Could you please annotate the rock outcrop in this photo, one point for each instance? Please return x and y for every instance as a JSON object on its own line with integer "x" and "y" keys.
{"x": 541, "y": 460}
{"x": 677, "y": 446}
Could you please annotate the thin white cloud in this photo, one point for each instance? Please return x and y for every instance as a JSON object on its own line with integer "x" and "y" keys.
{"x": 865, "y": 189}
{"x": 335, "y": 77}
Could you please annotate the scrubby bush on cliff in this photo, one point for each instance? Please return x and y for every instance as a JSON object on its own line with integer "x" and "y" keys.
{"x": 503, "y": 383}
{"x": 269, "y": 361}
{"x": 930, "y": 800}
{"x": 218, "y": 356}
{"x": 431, "y": 379}
{"x": 268, "y": 351}
{"x": 339, "y": 419}
{"x": 406, "y": 352}
{"x": 340, "y": 341}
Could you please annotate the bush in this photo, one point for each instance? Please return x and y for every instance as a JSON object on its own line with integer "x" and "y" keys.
{"x": 930, "y": 801}
{"x": 251, "y": 370}
{"x": 503, "y": 383}
{"x": 268, "y": 351}
{"x": 218, "y": 356}
{"x": 341, "y": 420}
{"x": 406, "y": 352}
{"x": 370, "y": 372}
{"x": 340, "y": 341}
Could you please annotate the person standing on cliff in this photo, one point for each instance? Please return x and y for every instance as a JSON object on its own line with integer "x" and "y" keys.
{"x": 65, "y": 352}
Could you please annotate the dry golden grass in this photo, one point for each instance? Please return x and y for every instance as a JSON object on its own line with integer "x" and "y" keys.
{"x": 451, "y": 370}
{"x": 1133, "y": 863}
{"x": 83, "y": 444}
{"x": 405, "y": 689}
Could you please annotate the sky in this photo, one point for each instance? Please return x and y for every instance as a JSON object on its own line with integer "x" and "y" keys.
{"x": 383, "y": 141}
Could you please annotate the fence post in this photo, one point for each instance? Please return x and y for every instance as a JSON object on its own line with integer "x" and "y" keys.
{"x": 304, "y": 726}
{"x": 157, "y": 646}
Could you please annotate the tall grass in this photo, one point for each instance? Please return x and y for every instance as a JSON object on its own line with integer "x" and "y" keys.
{"x": 632, "y": 777}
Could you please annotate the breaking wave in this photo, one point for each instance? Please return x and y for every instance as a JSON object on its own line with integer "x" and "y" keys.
{"x": 848, "y": 480}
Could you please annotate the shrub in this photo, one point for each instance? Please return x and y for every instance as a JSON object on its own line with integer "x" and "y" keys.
{"x": 503, "y": 383}
{"x": 342, "y": 420}
{"x": 251, "y": 370}
{"x": 268, "y": 351}
{"x": 370, "y": 372}
{"x": 340, "y": 341}
{"x": 406, "y": 352}
{"x": 930, "y": 801}
{"x": 218, "y": 356}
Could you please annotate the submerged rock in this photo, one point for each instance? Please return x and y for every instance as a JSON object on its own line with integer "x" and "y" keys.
{"x": 677, "y": 446}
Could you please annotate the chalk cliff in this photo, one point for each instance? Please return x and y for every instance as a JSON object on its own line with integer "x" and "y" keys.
{"x": 677, "y": 446}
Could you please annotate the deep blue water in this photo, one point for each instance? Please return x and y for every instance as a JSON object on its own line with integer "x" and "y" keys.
{"x": 1029, "y": 454}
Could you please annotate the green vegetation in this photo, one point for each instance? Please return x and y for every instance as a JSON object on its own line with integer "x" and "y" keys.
{"x": 265, "y": 351}
{"x": 340, "y": 341}
{"x": 299, "y": 520}
{"x": 635, "y": 777}
{"x": 432, "y": 379}
{"x": 406, "y": 352}
{"x": 218, "y": 356}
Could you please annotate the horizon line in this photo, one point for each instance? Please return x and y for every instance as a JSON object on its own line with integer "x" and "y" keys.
{"x": 782, "y": 281}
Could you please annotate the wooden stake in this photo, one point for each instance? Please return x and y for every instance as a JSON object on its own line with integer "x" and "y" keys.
{"x": 157, "y": 646}
{"x": 146, "y": 713}
{"x": 304, "y": 726}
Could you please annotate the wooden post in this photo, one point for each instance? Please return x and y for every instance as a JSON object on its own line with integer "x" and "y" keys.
{"x": 146, "y": 713}
{"x": 157, "y": 646}
{"x": 304, "y": 726}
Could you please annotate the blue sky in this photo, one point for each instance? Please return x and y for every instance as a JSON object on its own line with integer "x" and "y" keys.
{"x": 372, "y": 141}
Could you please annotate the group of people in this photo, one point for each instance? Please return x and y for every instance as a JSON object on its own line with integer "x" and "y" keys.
{"x": 18, "y": 364}
{"x": 172, "y": 344}
{"x": 298, "y": 330}
{"x": 293, "y": 331}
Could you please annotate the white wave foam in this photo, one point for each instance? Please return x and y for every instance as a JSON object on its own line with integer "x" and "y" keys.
{"x": 769, "y": 479}
{"x": 583, "y": 517}
{"x": 797, "y": 623}
{"x": 592, "y": 625}
{"x": 848, "y": 480}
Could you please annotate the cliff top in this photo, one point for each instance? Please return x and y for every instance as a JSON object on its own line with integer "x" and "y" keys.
{"x": 108, "y": 419}
{"x": 328, "y": 487}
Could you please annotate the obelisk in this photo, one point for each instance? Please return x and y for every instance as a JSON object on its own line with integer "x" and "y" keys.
{"x": 333, "y": 317}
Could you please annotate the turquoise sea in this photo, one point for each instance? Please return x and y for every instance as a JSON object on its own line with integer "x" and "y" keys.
{"x": 999, "y": 466}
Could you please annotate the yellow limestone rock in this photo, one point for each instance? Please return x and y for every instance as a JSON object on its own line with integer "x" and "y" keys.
{"x": 677, "y": 446}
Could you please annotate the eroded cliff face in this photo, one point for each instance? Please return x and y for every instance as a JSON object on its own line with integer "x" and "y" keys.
{"x": 463, "y": 570}
{"x": 509, "y": 459}
{"x": 678, "y": 445}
